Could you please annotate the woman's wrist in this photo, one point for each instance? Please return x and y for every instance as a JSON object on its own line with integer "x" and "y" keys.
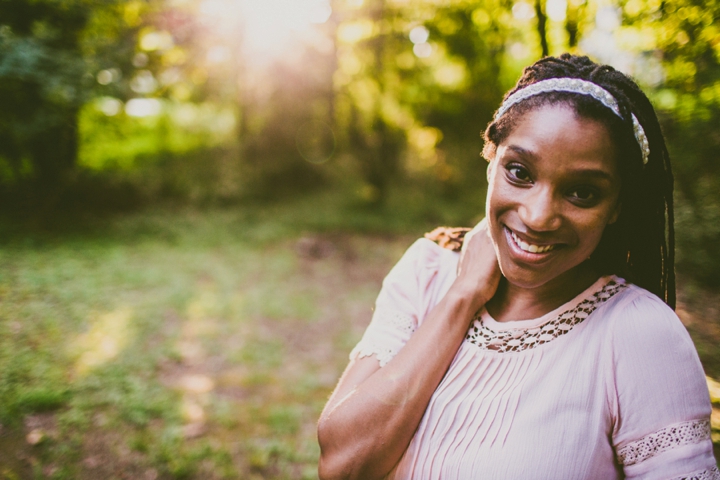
{"x": 467, "y": 298}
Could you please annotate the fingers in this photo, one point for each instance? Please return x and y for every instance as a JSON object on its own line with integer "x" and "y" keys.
{"x": 482, "y": 225}
{"x": 479, "y": 244}
{"x": 478, "y": 271}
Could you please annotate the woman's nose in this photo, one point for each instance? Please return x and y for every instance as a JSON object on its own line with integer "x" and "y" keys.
{"x": 539, "y": 211}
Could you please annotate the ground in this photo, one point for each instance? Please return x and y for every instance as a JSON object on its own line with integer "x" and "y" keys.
{"x": 194, "y": 344}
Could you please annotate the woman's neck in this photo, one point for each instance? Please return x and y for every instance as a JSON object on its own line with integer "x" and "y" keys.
{"x": 512, "y": 302}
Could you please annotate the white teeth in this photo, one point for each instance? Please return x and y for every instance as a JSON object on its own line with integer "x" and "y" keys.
{"x": 531, "y": 248}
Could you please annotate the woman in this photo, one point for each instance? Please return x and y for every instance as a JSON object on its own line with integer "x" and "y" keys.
{"x": 547, "y": 348}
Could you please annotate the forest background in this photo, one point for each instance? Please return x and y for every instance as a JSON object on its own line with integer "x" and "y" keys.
{"x": 199, "y": 198}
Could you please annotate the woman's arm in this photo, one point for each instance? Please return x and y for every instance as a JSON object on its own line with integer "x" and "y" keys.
{"x": 373, "y": 413}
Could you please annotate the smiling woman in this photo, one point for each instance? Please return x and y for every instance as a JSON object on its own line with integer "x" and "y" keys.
{"x": 553, "y": 188}
{"x": 542, "y": 344}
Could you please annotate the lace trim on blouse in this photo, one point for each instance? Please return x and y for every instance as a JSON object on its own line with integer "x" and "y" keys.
{"x": 708, "y": 474}
{"x": 383, "y": 354}
{"x": 517, "y": 340}
{"x": 371, "y": 346}
{"x": 665, "y": 439}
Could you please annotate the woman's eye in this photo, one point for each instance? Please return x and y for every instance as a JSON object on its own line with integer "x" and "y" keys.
{"x": 519, "y": 173}
{"x": 585, "y": 195}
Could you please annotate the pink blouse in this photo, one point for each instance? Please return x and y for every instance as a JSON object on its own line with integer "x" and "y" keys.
{"x": 607, "y": 386}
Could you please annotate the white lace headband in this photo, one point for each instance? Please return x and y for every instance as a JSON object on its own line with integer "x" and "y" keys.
{"x": 583, "y": 87}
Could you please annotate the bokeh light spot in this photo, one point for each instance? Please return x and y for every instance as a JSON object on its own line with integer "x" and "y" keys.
{"x": 523, "y": 11}
{"x": 419, "y": 35}
{"x": 315, "y": 142}
{"x": 556, "y": 10}
{"x": 109, "y": 106}
{"x": 423, "y": 50}
{"x": 143, "y": 107}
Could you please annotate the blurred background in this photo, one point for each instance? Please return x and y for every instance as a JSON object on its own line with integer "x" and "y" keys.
{"x": 200, "y": 198}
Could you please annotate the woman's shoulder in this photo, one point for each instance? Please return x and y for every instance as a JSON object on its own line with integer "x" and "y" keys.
{"x": 638, "y": 305}
{"x": 639, "y": 320}
{"x": 434, "y": 250}
{"x": 429, "y": 264}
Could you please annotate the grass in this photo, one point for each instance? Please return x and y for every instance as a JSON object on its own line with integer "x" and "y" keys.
{"x": 196, "y": 344}
{"x": 184, "y": 343}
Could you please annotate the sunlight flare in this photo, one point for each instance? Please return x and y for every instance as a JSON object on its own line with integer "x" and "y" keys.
{"x": 271, "y": 29}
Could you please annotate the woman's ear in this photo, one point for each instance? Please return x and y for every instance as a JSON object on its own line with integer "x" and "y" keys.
{"x": 487, "y": 171}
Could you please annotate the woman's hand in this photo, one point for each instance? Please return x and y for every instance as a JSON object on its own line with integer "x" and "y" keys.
{"x": 478, "y": 270}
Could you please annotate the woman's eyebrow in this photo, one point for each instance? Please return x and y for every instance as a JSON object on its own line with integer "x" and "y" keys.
{"x": 522, "y": 151}
{"x": 593, "y": 173}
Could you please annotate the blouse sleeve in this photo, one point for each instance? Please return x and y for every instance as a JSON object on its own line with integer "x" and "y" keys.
{"x": 661, "y": 405}
{"x": 398, "y": 308}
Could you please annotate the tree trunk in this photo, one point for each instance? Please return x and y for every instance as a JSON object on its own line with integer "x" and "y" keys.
{"x": 384, "y": 161}
{"x": 572, "y": 25}
{"x": 54, "y": 153}
{"x": 542, "y": 26}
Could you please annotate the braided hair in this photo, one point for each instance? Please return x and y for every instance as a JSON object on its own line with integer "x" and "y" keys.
{"x": 640, "y": 245}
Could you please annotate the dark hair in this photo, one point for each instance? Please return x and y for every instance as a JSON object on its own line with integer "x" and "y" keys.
{"x": 640, "y": 245}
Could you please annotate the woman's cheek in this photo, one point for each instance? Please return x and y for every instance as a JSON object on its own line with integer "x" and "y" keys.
{"x": 592, "y": 232}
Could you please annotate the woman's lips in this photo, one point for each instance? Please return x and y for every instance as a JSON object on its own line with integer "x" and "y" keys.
{"x": 526, "y": 251}
{"x": 530, "y": 247}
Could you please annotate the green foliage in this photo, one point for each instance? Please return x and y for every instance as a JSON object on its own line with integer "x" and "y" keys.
{"x": 41, "y": 89}
{"x": 400, "y": 112}
{"x": 122, "y": 142}
{"x": 685, "y": 36}
{"x": 152, "y": 100}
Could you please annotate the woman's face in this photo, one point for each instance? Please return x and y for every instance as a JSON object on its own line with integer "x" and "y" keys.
{"x": 553, "y": 187}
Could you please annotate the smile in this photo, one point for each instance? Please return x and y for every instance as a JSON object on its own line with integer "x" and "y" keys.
{"x": 528, "y": 247}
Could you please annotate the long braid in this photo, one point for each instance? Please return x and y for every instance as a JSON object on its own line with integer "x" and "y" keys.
{"x": 641, "y": 245}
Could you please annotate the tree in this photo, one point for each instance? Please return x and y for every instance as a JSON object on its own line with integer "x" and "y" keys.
{"x": 684, "y": 35}
{"x": 41, "y": 86}
{"x": 542, "y": 26}
{"x": 416, "y": 85}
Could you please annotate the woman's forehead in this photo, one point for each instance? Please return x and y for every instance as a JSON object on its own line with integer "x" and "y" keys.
{"x": 557, "y": 134}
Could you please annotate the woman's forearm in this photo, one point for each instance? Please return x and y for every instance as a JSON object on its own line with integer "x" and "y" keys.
{"x": 363, "y": 433}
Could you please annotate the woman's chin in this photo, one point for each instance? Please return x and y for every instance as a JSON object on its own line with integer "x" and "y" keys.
{"x": 524, "y": 281}
{"x": 530, "y": 279}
